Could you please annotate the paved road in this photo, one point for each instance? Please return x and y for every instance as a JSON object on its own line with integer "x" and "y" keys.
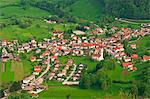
{"x": 71, "y": 74}
{"x": 46, "y": 70}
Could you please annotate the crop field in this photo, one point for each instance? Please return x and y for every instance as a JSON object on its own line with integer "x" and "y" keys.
{"x": 14, "y": 71}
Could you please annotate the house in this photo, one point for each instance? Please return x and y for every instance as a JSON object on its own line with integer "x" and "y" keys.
{"x": 146, "y": 58}
{"x": 20, "y": 49}
{"x": 70, "y": 83}
{"x": 44, "y": 54}
{"x": 26, "y": 46}
{"x": 99, "y": 30}
{"x": 133, "y": 46}
{"x": 4, "y": 42}
{"x": 134, "y": 56}
{"x": 33, "y": 43}
{"x": 86, "y": 27}
{"x": 38, "y": 81}
{"x": 54, "y": 58}
{"x": 37, "y": 70}
{"x": 27, "y": 88}
{"x": 127, "y": 64}
{"x": 28, "y": 79}
{"x": 5, "y": 55}
{"x": 127, "y": 59}
{"x": 32, "y": 58}
{"x": 97, "y": 57}
{"x": 58, "y": 33}
{"x": 78, "y": 32}
{"x": 133, "y": 68}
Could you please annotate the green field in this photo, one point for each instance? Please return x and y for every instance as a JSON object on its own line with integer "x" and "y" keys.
{"x": 15, "y": 71}
{"x": 84, "y": 60}
{"x": 86, "y": 9}
{"x": 74, "y": 92}
{"x": 20, "y": 12}
{"x": 142, "y": 46}
{"x": 4, "y": 3}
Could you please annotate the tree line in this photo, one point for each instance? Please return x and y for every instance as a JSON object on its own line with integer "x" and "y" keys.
{"x": 132, "y": 9}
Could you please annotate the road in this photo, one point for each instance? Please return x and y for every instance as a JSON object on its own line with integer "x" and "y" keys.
{"x": 46, "y": 70}
{"x": 71, "y": 74}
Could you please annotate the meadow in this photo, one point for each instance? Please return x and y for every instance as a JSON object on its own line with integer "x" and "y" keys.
{"x": 86, "y": 9}
{"x": 14, "y": 71}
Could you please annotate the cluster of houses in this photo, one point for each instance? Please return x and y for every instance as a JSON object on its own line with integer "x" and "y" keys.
{"x": 49, "y": 50}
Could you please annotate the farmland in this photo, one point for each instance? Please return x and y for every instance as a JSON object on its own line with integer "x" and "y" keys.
{"x": 14, "y": 71}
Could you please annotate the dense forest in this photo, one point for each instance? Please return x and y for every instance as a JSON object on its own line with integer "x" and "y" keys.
{"x": 134, "y": 9}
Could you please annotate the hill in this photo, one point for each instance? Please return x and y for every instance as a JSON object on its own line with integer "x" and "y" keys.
{"x": 87, "y": 9}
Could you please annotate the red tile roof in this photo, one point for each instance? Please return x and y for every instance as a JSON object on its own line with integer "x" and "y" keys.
{"x": 126, "y": 64}
{"x": 145, "y": 58}
{"x": 32, "y": 58}
{"x": 44, "y": 54}
{"x": 134, "y": 56}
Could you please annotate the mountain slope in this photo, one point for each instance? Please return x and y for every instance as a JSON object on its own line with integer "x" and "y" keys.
{"x": 87, "y": 9}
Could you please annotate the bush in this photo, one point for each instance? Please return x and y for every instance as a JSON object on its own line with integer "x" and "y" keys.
{"x": 15, "y": 87}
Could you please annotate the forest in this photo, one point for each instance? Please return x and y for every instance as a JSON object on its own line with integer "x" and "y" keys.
{"x": 132, "y": 9}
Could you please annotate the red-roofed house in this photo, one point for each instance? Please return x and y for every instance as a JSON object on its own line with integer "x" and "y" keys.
{"x": 32, "y": 58}
{"x": 44, "y": 54}
{"x": 127, "y": 59}
{"x": 146, "y": 58}
{"x": 37, "y": 70}
{"x": 127, "y": 64}
{"x": 133, "y": 46}
{"x": 134, "y": 56}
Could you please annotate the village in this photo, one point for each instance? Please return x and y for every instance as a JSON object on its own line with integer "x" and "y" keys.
{"x": 69, "y": 73}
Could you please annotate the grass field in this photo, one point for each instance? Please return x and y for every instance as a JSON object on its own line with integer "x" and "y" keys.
{"x": 84, "y": 60}
{"x": 1, "y": 71}
{"x": 15, "y": 71}
{"x": 87, "y": 9}
{"x": 143, "y": 46}
{"x": 8, "y": 2}
{"x": 74, "y": 92}
{"x": 8, "y": 74}
{"x": 12, "y": 32}
{"x": 61, "y": 92}
{"x": 20, "y": 12}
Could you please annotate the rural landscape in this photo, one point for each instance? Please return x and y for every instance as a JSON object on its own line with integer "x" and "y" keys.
{"x": 74, "y": 49}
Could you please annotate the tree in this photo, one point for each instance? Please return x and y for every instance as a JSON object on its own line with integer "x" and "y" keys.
{"x": 147, "y": 91}
{"x": 134, "y": 90}
{"x": 1, "y": 93}
{"x": 15, "y": 87}
{"x": 103, "y": 79}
